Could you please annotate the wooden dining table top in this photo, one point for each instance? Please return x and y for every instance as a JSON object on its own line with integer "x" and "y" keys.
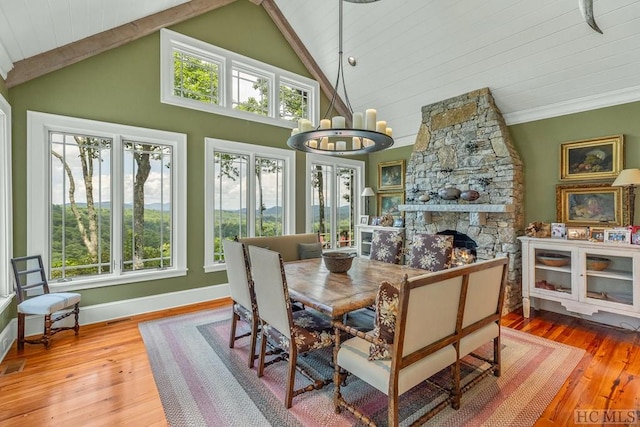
{"x": 336, "y": 294}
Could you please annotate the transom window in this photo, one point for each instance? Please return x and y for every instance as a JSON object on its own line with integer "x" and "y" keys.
{"x": 197, "y": 75}
{"x": 105, "y": 201}
{"x": 249, "y": 192}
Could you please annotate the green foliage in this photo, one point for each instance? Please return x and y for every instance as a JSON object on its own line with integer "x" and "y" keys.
{"x": 195, "y": 78}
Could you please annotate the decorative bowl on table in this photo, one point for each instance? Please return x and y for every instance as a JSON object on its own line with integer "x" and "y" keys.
{"x": 597, "y": 263}
{"x": 338, "y": 262}
{"x": 553, "y": 260}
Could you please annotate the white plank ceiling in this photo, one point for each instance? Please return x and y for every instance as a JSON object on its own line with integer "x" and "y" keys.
{"x": 539, "y": 58}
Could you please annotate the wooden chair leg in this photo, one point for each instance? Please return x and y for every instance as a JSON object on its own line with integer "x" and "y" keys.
{"x": 291, "y": 375}
{"x": 76, "y": 312}
{"x": 456, "y": 390}
{"x": 393, "y": 409}
{"x": 253, "y": 338}
{"x": 46, "y": 336}
{"x": 263, "y": 351}
{"x": 20, "y": 331}
{"x": 497, "y": 358}
{"x": 232, "y": 333}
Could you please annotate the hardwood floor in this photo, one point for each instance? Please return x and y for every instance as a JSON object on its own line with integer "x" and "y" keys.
{"x": 103, "y": 376}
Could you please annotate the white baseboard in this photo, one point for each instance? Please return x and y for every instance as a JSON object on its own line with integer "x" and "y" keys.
{"x": 116, "y": 310}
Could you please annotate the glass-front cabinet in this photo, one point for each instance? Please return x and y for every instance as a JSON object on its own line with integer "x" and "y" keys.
{"x": 584, "y": 277}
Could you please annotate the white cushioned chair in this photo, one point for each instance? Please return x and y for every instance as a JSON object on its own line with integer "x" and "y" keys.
{"x": 241, "y": 289}
{"x": 34, "y": 298}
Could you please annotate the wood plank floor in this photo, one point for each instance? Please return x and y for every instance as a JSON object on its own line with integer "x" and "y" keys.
{"x": 103, "y": 377}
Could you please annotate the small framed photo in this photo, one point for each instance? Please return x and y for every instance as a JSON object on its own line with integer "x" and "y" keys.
{"x": 558, "y": 230}
{"x": 398, "y": 222}
{"x": 617, "y": 235}
{"x": 577, "y": 233}
{"x": 635, "y": 238}
{"x": 364, "y": 219}
{"x": 597, "y": 234}
{"x": 599, "y": 158}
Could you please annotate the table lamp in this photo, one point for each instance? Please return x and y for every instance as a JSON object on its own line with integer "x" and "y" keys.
{"x": 629, "y": 178}
{"x": 368, "y": 192}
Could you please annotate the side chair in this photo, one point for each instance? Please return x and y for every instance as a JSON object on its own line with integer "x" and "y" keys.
{"x": 34, "y": 298}
{"x": 241, "y": 290}
{"x": 295, "y": 332}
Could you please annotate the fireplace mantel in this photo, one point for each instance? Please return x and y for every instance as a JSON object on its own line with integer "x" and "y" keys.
{"x": 477, "y": 212}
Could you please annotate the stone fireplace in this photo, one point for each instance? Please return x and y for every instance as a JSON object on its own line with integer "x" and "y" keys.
{"x": 464, "y": 143}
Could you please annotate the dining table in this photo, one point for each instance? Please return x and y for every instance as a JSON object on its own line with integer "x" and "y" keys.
{"x": 335, "y": 294}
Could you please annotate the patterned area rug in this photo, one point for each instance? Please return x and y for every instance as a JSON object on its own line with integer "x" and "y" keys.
{"x": 202, "y": 382}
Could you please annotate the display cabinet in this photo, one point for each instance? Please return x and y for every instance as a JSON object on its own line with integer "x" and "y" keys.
{"x": 584, "y": 277}
{"x": 365, "y": 234}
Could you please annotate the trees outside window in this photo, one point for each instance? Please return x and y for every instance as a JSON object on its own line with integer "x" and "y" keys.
{"x": 109, "y": 204}
{"x": 250, "y": 191}
{"x": 333, "y": 200}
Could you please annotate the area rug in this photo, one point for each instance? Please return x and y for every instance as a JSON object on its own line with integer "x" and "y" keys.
{"x": 202, "y": 382}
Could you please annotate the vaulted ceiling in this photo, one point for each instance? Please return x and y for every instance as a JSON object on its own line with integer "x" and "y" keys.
{"x": 539, "y": 58}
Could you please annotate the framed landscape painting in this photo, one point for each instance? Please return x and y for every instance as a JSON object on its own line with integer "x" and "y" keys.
{"x": 391, "y": 175}
{"x": 596, "y": 205}
{"x": 388, "y": 204}
{"x": 601, "y": 158}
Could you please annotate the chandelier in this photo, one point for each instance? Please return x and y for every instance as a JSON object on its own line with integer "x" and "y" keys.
{"x": 332, "y": 137}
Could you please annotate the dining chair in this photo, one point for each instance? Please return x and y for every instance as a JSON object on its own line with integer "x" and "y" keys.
{"x": 430, "y": 252}
{"x": 35, "y": 298}
{"x": 245, "y": 308}
{"x": 386, "y": 246}
{"x": 295, "y": 332}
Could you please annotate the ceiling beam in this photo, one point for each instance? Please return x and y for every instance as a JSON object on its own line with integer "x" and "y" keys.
{"x": 55, "y": 59}
{"x": 296, "y": 44}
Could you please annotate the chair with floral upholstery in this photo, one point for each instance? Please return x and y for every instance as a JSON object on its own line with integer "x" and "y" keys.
{"x": 294, "y": 332}
{"x": 430, "y": 252}
{"x": 386, "y": 246}
{"x": 241, "y": 289}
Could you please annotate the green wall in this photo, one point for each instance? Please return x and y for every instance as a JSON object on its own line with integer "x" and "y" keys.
{"x": 538, "y": 144}
{"x": 123, "y": 86}
{"x": 3, "y": 88}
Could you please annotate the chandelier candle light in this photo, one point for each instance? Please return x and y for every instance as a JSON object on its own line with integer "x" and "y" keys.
{"x": 332, "y": 137}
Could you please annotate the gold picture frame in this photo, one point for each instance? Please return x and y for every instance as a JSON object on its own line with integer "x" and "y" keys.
{"x": 388, "y": 204}
{"x": 391, "y": 176}
{"x": 595, "y": 205}
{"x": 589, "y": 159}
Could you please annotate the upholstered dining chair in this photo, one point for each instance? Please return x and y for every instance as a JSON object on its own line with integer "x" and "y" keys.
{"x": 35, "y": 298}
{"x": 386, "y": 246}
{"x": 294, "y": 332}
{"x": 430, "y": 252}
{"x": 245, "y": 308}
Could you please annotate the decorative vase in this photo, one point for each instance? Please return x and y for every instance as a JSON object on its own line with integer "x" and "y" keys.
{"x": 424, "y": 197}
{"x": 469, "y": 195}
{"x": 449, "y": 193}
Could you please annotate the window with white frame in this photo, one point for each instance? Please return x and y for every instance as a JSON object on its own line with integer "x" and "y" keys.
{"x": 6, "y": 243}
{"x": 106, "y": 202}
{"x": 333, "y": 199}
{"x": 198, "y": 75}
{"x": 249, "y": 191}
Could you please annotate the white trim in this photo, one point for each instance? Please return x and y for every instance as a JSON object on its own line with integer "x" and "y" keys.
{"x": 6, "y": 213}
{"x": 587, "y": 103}
{"x": 5, "y": 62}
{"x": 119, "y": 309}
{"x": 38, "y": 198}
{"x": 170, "y": 41}
{"x": 288, "y": 209}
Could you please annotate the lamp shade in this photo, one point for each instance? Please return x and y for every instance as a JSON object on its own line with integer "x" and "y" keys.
{"x": 627, "y": 177}
{"x": 369, "y": 192}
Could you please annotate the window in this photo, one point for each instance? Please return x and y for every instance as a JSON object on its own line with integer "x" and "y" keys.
{"x": 333, "y": 195}
{"x": 197, "y": 75}
{"x": 249, "y": 191}
{"x": 106, "y": 202}
{"x": 6, "y": 243}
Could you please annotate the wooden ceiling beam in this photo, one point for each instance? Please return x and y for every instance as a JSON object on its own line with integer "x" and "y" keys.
{"x": 296, "y": 44}
{"x": 55, "y": 59}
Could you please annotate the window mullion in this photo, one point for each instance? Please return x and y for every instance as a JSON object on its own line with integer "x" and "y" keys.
{"x": 117, "y": 205}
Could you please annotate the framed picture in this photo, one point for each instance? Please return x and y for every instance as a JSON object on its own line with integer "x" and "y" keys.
{"x": 617, "y": 235}
{"x": 558, "y": 230}
{"x": 388, "y": 204}
{"x": 398, "y": 222}
{"x": 577, "y": 233}
{"x": 592, "y": 205}
{"x": 391, "y": 176}
{"x": 364, "y": 219}
{"x": 600, "y": 158}
{"x": 596, "y": 234}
